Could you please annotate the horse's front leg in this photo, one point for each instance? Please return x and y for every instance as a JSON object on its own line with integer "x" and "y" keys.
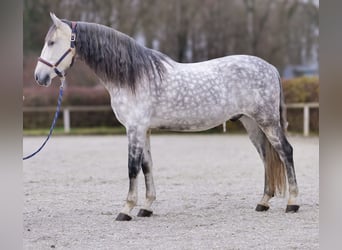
{"x": 136, "y": 144}
{"x": 146, "y": 211}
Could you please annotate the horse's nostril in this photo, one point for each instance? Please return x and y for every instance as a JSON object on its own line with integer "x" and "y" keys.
{"x": 46, "y": 79}
{"x": 42, "y": 80}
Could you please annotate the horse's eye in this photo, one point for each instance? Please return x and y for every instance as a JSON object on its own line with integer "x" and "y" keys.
{"x": 50, "y": 43}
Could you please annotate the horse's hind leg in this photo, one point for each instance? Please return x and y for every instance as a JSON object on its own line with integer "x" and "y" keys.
{"x": 277, "y": 138}
{"x": 259, "y": 140}
{"x": 136, "y": 144}
{"x": 146, "y": 211}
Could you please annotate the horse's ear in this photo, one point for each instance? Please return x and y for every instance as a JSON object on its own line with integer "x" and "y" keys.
{"x": 56, "y": 20}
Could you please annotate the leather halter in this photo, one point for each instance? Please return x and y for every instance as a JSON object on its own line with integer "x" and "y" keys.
{"x": 72, "y": 47}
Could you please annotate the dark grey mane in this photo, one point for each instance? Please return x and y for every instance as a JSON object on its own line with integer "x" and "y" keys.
{"x": 117, "y": 57}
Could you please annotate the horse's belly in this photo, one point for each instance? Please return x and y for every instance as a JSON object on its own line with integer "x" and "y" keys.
{"x": 195, "y": 119}
{"x": 186, "y": 127}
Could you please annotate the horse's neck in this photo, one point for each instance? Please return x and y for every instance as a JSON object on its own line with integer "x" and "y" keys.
{"x": 117, "y": 58}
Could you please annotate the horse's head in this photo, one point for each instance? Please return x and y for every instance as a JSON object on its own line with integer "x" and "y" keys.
{"x": 57, "y": 54}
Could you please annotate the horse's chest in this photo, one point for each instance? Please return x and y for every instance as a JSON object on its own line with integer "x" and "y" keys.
{"x": 128, "y": 109}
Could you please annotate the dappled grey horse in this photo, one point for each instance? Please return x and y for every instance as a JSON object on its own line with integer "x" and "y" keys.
{"x": 149, "y": 90}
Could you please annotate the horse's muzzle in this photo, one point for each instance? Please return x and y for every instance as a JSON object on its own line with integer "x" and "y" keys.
{"x": 42, "y": 80}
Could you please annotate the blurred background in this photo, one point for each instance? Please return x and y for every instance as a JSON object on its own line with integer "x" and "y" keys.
{"x": 283, "y": 32}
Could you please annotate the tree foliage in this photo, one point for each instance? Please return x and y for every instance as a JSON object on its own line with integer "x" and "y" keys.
{"x": 282, "y": 32}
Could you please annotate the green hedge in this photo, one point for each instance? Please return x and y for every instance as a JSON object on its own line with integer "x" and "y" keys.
{"x": 301, "y": 89}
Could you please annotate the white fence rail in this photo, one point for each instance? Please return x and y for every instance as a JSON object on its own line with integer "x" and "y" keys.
{"x": 68, "y": 109}
{"x": 306, "y": 113}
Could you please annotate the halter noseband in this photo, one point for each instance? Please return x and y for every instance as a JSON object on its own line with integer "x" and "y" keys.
{"x": 72, "y": 47}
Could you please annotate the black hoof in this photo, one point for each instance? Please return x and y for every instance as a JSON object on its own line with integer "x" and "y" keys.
{"x": 261, "y": 208}
{"x": 144, "y": 213}
{"x": 292, "y": 208}
{"x": 123, "y": 217}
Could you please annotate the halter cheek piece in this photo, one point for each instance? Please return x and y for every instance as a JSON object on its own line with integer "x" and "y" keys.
{"x": 72, "y": 47}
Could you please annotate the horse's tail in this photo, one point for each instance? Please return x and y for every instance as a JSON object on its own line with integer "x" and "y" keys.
{"x": 282, "y": 108}
{"x": 275, "y": 171}
{"x": 275, "y": 168}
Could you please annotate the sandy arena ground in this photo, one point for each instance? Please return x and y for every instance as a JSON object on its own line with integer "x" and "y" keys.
{"x": 207, "y": 189}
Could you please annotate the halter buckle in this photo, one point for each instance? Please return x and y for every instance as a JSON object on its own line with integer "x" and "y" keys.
{"x": 73, "y": 37}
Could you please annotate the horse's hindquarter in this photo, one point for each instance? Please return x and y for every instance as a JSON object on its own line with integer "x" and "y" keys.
{"x": 199, "y": 96}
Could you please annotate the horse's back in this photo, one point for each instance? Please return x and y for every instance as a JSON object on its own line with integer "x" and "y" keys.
{"x": 201, "y": 95}
{"x": 230, "y": 72}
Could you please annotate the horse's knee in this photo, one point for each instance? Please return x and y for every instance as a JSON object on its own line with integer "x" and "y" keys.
{"x": 133, "y": 171}
{"x": 134, "y": 161}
